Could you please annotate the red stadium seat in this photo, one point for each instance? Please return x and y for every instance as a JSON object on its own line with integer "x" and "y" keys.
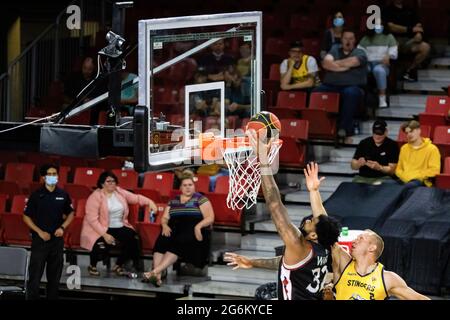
{"x": 148, "y": 233}
{"x": 222, "y": 185}
{"x": 159, "y": 214}
{"x": 77, "y": 191}
{"x": 276, "y": 46}
{"x": 424, "y": 129}
{"x": 10, "y": 188}
{"x": 202, "y": 183}
{"x": 224, "y": 216}
{"x": 3, "y": 199}
{"x": 274, "y": 73}
{"x": 161, "y": 181}
{"x": 18, "y": 204}
{"x": 443, "y": 179}
{"x": 312, "y": 46}
{"x": 73, "y": 233}
{"x": 80, "y": 210}
{"x": 128, "y": 179}
{"x": 73, "y": 162}
{"x": 291, "y": 100}
{"x": 109, "y": 163}
{"x": 283, "y": 113}
{"x": 321, "y": 114}
{"x": 295, "y": 137}
{"x": 436, "y": 112}
{"x": 21, "y": 173}
{"x": 87, "y": 176}
{"x": 149, "y": 193}
{"x": 15, "y": 231}
{"x": 441, "y": 139}
{"x": 304, "y": 23}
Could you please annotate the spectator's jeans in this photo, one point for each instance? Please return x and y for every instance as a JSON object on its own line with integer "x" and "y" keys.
{"x": 413, "y": 184}
{"x": 351, "y": 97}
{"x": 380, "y": 72}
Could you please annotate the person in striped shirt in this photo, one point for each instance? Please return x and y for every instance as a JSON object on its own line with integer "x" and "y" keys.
{"x": 380, "y": 47}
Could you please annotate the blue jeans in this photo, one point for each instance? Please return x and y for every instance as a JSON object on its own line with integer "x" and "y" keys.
{"x": 350, "y": 97}
{"x": 380, "y": 72}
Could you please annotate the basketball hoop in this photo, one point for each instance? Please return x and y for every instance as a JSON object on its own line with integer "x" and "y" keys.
{"x": 244, "y": 168}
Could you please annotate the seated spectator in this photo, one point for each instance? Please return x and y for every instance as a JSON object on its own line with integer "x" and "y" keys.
{"x": 346, "y": 74}
{"x": 106, "y": 223}
{"x": 185, "y": 231}
{"x": 409, "y": 32}
{"x": 244, "y": 67}
{"x": 216, "y": 62}
{"x": 419, "y": 159}
{"x": 77, "y": 81}
{"x": 333, "y": 35}
{"x": 299, "y": 71}
{"x": 380, "y": 48}
{"x": 129, "y": 95}
{"x": 376, "y": 157}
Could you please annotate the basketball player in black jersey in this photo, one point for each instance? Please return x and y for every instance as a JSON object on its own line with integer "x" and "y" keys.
{"x": 306, "y": 260}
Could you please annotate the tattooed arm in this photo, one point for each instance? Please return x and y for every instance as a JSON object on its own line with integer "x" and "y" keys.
{"x": 297, "y": 248}
{"x": 238, "y": 261}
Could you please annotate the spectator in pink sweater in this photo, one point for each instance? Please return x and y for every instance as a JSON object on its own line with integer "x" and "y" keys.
{"x": 105, "y": 224}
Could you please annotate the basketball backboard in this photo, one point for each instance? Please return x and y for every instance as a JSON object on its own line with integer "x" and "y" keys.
{"x": 197, "y": 74}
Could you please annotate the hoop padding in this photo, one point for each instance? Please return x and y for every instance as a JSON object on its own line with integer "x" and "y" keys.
{"x": 245, "y": 173}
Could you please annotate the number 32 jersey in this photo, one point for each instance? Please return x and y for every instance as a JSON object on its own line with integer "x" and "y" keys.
{"x": 304, "y": 280}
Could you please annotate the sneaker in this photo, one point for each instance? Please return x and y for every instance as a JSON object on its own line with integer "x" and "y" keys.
{"x": 93, "y": 271}
{"x": 382, "y": 102}
{"x": 409, "y": 77}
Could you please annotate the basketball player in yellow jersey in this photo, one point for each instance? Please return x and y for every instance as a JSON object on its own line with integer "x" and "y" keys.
{"x": 361, "y": 277}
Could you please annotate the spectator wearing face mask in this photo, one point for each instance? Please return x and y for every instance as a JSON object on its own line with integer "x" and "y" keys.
{"x": 333, "y": 35}
{"x": 380, "y": 47}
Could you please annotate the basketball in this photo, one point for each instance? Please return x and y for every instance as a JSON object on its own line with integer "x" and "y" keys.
{"x": 264, "y": 120}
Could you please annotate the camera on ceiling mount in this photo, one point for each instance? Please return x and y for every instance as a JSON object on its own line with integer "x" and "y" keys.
{"x": 115, "y": 47}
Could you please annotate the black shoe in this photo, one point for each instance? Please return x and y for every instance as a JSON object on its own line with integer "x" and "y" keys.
{"x": 409, "y": 77}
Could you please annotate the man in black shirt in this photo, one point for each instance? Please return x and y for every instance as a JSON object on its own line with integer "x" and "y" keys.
{"x": 48, "y": 213}
{"x": 404, "y": 24}
{"x": 376, "y": 157}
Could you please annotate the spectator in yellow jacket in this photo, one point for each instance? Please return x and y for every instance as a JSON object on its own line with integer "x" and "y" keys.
{"x": 419, "y": 159}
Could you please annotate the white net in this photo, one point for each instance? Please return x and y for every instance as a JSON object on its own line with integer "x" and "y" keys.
{"x": 245, "y": 174}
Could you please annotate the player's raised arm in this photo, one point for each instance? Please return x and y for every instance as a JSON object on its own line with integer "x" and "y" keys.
{"x": 313, "y": 184}
{"x": 296, "y": 245}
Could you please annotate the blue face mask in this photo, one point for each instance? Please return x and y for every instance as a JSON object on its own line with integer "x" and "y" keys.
{"x": 338, "y": 22}
{"x": 379, "y": 29}
{"x": 51, "y": 180}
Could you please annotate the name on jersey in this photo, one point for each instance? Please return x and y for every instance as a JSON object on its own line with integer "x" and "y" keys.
{"x": 59, "y": 198}
{"x": 359, "y": 284}
{"x": 322, "y": 260}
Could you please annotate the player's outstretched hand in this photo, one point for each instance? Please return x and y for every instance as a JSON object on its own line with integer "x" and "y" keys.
{"x": 312, "y": 176}
{"x": 237, "y": 261}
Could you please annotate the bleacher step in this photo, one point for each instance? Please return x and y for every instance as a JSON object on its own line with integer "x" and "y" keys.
{"x": 342, "y": 155}
{"x": 332, "y": 167}
{"x": 260, "y": 242}
{"x": 403, "y": 113}
{"x": 435, "y": 86}
{"x": 253, "y": 276}
{"x": 246, "y": 290}
{"x": 434, "y": 74}
{"x": 269, "y": 226}
{"x": 443, "y": 62}
{"x": 408, "y": 100}
{"x": 303, "y": 196}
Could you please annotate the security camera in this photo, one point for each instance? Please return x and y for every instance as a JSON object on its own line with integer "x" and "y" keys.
{"x": 115, "y": 47}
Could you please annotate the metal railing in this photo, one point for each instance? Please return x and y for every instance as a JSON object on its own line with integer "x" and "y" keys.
{"x": 50, "y": 57}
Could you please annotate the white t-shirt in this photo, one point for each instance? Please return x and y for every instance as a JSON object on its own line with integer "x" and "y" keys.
{"x": 311, "y": 63}
{"x": 116, "y": 210}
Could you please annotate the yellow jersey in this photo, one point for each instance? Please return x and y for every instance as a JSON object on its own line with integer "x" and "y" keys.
{"x": 353, "y": 286}
{"x": 301, "y": 74}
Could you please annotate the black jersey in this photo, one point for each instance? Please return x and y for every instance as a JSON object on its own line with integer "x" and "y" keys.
{"x": 304, "y": 280}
